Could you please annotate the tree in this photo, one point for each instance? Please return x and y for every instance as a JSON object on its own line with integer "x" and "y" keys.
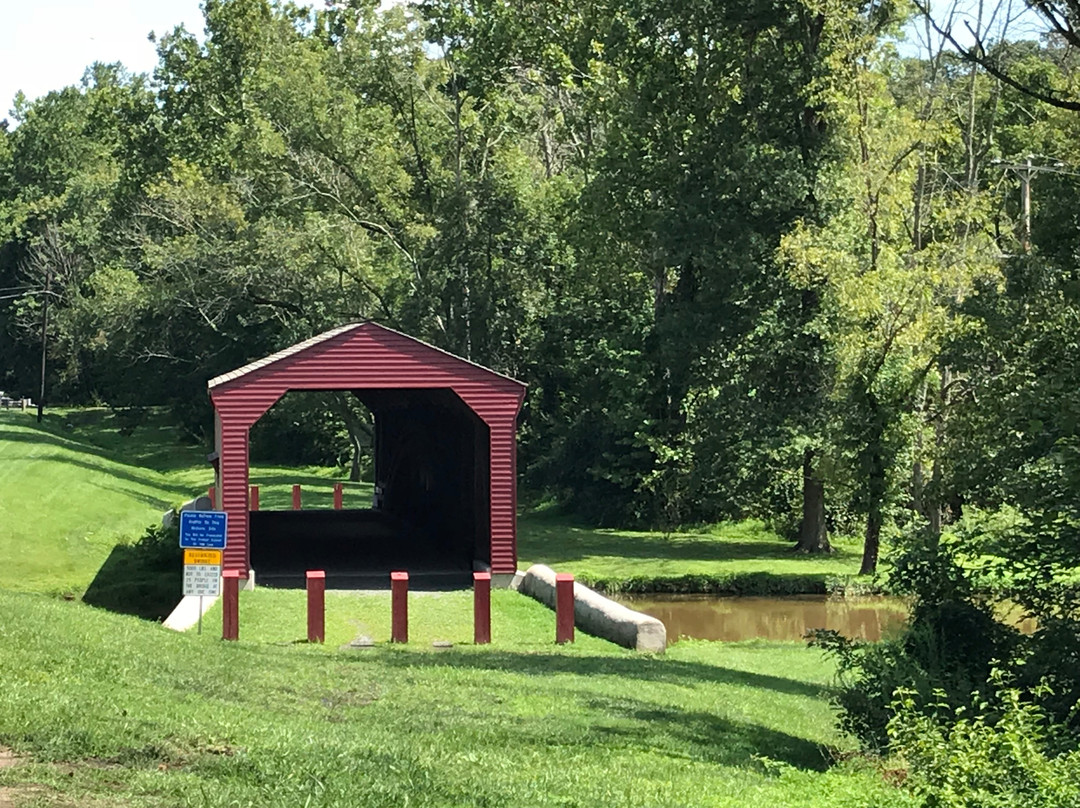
{"x": 992, "y": 50}
{"x": 890, "y": 267}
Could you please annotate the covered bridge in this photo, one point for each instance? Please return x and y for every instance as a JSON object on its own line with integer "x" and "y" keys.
{"x": 445, "y": 453}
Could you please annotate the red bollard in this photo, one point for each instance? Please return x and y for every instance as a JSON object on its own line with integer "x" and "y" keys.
{"x": 296, "y": 497}
{"x": 481, "y": 607}
{"x": 337, "y": 496}
{"x": 254, "y": 504}
{"x": 212, "y": 493}
{"x": 230, "y": 605}
{"x": 316, "y": 606}
{"x": 399, "y": 607}
{"x": 564, "y": 607}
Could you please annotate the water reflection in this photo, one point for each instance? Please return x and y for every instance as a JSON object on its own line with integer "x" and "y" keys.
{"x": 705, "y": 617}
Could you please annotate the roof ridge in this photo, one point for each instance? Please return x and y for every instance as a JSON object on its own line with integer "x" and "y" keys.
{"x": 325, "y": 336}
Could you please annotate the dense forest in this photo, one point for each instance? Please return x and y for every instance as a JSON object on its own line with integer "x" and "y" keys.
{"x": 804, "y": 260}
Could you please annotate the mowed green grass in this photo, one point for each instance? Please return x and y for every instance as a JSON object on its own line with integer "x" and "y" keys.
{"x": 74, "y": 486}
{"x": 71, "y": 488}
{"x": 111, "y": 710}
{"x": 727, "y": 549}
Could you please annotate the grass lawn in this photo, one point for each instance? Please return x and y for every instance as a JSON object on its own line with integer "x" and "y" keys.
{"x": 108, "y": 710}
{"x": 740, "y": 558}
{"x": 74, "y": 486}
{"x": 111, "y": 710}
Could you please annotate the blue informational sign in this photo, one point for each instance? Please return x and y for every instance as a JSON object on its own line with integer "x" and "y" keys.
{"x": 203, "y": 529}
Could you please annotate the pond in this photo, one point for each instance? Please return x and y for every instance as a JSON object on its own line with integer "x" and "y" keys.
{"x": 707, "y": 617}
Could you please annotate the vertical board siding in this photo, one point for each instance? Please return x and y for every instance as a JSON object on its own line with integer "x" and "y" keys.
{"x": 366, "y": 356}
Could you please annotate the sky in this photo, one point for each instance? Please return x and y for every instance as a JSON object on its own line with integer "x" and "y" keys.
{"x": 48, "y": 44}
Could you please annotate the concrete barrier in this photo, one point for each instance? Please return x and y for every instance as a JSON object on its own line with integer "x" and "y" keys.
{"x": 597, "y": 615}
{"x": 200, "y": 503}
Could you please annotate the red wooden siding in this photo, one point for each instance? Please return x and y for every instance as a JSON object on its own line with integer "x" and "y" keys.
{"x": 365, "y": 356}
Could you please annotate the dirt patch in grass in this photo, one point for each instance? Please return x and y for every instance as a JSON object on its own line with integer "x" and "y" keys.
{"x": 8, "y": 758}
{"x": 12, "y": 796}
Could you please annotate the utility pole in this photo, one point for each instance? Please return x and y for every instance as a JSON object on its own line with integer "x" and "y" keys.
{"x": 1026, "y": 171}
{"x": 1025, "y": 204}
{"x": 44, "y": 341}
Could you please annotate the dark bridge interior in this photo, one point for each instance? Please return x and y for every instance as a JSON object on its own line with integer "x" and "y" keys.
{"x": 430, "y": 516}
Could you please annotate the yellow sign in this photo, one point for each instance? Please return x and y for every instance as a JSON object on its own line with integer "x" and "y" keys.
{"x": 202, "y": 557}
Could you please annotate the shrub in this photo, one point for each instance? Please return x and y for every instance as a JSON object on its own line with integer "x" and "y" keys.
{"x": 946, "y": 653}
{"x": 988, "y": 754}
{"x": 144, "y": 578}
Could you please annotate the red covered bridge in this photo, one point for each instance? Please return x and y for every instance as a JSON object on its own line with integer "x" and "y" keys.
{"x": 445, "y": 449}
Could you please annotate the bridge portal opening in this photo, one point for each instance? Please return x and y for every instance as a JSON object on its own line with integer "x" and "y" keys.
{"x": 427, "y": 511}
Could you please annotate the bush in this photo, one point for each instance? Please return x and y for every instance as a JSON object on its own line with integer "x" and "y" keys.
{"x": 946, "y": 653}
{"x": 143, "y": 579}
{"x": 988, "y": 754}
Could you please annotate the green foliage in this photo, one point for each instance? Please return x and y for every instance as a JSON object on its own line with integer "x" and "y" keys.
{"x": 944, "y": 655}
{"x": 141, "y": 578}
{"x": 984, "y": 754}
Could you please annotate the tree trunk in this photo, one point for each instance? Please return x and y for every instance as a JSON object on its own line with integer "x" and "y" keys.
{"x": 876, "y": 489}
{"x": 813, "y": 533}
{"x": 354, "y": 470}
{"x": 357, "y": 430}
{"x": 934, "y": 506}
{"x": 873, "y": 540}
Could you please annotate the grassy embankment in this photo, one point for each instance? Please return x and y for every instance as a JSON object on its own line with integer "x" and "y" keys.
{"x": 111, "y": 710}
{"x": 75, "y": 487}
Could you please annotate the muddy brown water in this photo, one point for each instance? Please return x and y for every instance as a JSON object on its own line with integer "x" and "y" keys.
{"x": 706, "y": 617}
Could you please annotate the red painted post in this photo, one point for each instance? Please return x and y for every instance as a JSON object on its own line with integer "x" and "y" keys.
{"x": 316, "y": 605}
{"x": 212, "y": 493}
{"x": 399, "y": 607}
{"x": 481, "y": 607}
{"x": 230, "y": 605}
{"x": 337, "y": 496}
{"x": 296, "y": 497}
{"x": 254, "y": 503}
{"x": 564, "y": 607}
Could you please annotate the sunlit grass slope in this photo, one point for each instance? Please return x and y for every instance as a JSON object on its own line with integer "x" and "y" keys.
{"x": 111, "y": 710}
{"x": 745, "y": 556}
{"x": 72, "y": 487}
{"x": 76, "y": 485}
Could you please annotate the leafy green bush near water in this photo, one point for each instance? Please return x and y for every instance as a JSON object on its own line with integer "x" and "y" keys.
{"x": 989, "y": 754}
{"x": 982, "y": 714}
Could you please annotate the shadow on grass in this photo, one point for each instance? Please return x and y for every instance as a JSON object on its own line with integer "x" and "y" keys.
{"x": 719, "y": 740}
{"x": 117, "y": 469}
{"x": 141, "y": 579}
{"x": 152, "y": 446}
{"x": 548, "y": 541}
{"x": 645, "y": 668}
{"x": 661, "y": 727}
